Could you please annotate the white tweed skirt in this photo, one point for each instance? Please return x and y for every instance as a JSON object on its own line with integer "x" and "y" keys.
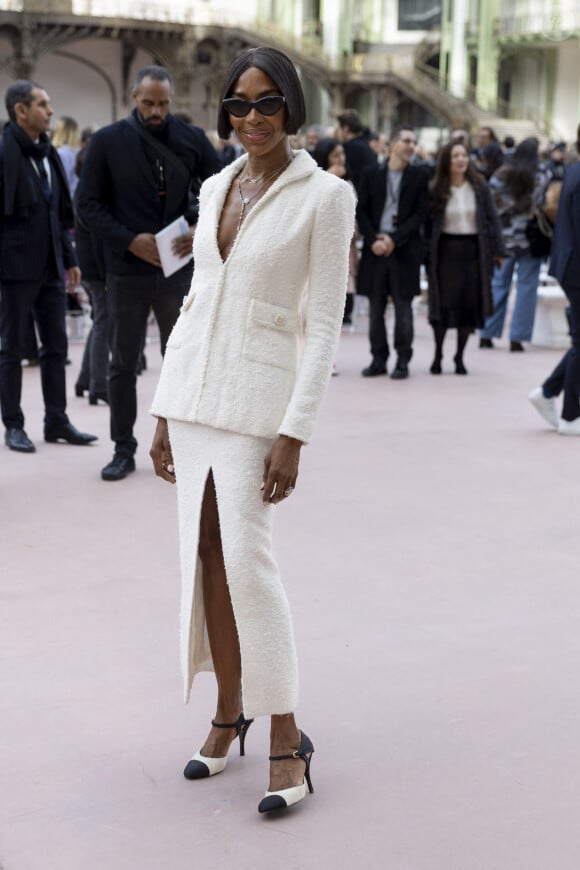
{"x": 262, "y": 614}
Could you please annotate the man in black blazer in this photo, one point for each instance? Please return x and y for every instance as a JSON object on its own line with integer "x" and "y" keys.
{"x": 392, "y": 207}
{"x": 358, "y": 153}
{"x": 565, "y": 267}
{"x": 35, "y": 256}
{"x": 141, "y": 174}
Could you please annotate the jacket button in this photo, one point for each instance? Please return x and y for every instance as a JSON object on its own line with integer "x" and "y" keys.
{"x": 280, "y": 319}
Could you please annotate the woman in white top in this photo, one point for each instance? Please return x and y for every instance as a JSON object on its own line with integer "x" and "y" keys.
{"x": 464, "y": 241}
{"x": 236, "y": 402}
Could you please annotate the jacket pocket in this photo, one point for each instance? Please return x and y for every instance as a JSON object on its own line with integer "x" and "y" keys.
{"x": 271, "y": 335}
{"x": 180, "y": 332}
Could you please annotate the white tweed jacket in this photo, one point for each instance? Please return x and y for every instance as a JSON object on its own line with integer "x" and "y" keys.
{"x": 240, "y": 357}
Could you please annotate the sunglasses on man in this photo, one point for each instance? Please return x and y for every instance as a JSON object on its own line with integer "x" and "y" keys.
{"x": 265, "y": 105}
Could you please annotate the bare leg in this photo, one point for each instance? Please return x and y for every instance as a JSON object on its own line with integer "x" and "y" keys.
{"x": 221, "y": 626}
{"x": 225, "y": 650}
{"x": 284, "y": 739}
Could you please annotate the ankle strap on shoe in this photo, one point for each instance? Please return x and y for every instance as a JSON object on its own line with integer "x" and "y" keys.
{"x": 224, "y": 724}
{"x": 295, "y": 754}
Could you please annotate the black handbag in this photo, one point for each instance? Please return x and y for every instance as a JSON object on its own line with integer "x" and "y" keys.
{"x": 539, "y": 233}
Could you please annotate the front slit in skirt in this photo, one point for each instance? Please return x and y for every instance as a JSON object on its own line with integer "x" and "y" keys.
{"x": 262, "y": 615}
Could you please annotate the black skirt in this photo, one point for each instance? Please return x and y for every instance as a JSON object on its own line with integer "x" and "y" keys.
{"x": 459, "y": 282}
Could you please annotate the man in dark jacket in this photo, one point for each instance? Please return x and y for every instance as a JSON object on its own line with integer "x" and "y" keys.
{"x": 565, "y": 266}
{"x": 140, "y": 175}
{"x": 392, "y": 207}
{"x": 357, "y": 152}
{"x": 35, "y": 255}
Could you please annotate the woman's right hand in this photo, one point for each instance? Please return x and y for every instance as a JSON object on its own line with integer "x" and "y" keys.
{"x": 160, "y": 452}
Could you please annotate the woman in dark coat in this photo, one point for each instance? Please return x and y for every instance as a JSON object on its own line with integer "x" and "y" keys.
{"x": 464, "y": 240}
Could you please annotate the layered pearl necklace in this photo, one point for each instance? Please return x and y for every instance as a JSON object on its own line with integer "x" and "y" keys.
{"x": 246, "y": 200}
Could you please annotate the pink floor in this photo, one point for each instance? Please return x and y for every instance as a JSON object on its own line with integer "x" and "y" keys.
{"x": 430, "y": 553}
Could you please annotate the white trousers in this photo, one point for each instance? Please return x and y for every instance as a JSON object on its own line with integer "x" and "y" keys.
{"x": 263, "y": 620}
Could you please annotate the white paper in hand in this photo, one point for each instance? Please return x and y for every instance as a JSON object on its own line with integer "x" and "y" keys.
{"x": 171, "y": 262}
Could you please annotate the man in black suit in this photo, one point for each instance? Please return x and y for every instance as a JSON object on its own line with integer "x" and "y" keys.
{"x": 141, "y": 174}
{"x": 392, "y": 206}
{"x": 565, "y": 266}
{"x": 35, "y": 256}
{"x": 357, "y": 152}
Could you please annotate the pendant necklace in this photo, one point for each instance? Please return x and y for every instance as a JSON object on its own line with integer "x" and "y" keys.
{"x": 246, "y": 200}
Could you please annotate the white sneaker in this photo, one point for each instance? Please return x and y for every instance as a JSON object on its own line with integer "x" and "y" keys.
{"x": 545, "y": 407}
{"x": 569, "y": 427}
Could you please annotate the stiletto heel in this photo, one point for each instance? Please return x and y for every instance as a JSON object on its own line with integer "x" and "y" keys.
{"x": 241, "y": 731}
{"x": 202, "y": 766}
{"x": 286, "y": 797}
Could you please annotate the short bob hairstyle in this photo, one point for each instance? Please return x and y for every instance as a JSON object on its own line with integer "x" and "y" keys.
{"x": 281, "y": 70}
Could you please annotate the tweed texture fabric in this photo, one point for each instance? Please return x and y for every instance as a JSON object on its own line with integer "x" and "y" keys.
{"x": 263, "y": 621}
{"x": 236, "y": 359}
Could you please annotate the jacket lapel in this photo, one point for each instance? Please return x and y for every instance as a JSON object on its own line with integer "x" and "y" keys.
{"x": 136, "y": 155}
{"x": 380, "y": 193}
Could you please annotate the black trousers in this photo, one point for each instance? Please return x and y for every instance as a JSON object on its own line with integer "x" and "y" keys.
{"x": 385, "y": 283}
{"x": 130, "y": 298}
{"x": 47, "y": 300}
{"x": 566, "y": 375}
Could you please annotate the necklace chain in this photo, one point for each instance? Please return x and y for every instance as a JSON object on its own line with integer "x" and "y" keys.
{"x": 246, "y": 200}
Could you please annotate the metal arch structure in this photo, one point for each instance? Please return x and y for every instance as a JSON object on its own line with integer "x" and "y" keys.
{"x": 97, "y": 69}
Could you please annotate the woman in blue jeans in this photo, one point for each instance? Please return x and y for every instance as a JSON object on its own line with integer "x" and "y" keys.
{"x": 516, "y": 187}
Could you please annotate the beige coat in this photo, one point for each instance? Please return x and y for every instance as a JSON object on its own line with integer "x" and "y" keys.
{"x": 239, "y": 357}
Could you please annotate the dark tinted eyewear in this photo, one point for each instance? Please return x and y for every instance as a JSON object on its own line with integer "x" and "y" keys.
{"x": 265, "y": 106}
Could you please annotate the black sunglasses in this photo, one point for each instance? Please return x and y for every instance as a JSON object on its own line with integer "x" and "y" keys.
{"x": 265, "y": 105}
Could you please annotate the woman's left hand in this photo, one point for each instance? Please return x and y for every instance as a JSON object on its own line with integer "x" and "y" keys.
{"x": 281, "y": 469}
{"x": 160, "y": 452}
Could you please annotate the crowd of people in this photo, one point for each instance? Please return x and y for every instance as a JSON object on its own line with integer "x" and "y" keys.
{"x": 479, "y": 217}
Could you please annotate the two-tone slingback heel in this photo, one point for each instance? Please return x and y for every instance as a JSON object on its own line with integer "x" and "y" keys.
{"x": 281, "y": 800}
{"x": 202, "y": 766}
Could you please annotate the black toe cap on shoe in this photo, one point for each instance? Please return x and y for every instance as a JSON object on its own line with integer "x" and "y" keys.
{"x": 196, "y": 770}
{"x": 272, "y": 802}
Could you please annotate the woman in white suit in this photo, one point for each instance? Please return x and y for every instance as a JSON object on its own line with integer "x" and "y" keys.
{"x": 240, "y": 385}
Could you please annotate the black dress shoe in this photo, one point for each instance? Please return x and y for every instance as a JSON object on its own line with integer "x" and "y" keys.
{"x": 373, "y": 370}
{"x": 17, "y": 439}
{"x": 80, "y": 391}
{"x": 67, "y": 432}
{"x": 118, "y": 468}
{"x": 485, "y": 342}
{"x": 516, "y": 347}
{"x": 400, "y": 372}
{"x": 94, "y": 398}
